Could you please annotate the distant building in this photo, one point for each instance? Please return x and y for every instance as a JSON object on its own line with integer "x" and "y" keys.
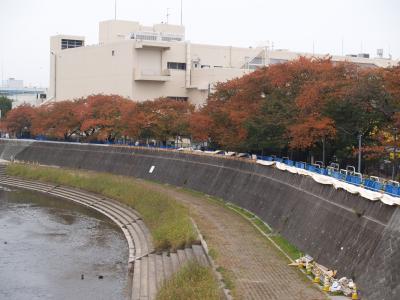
{"x": 15, "y": 90}
{"x": 12, "y": 83}
{"x": 142, "y": 63}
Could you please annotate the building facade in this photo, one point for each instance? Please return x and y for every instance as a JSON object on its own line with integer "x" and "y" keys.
{"x": 144, "y": 63}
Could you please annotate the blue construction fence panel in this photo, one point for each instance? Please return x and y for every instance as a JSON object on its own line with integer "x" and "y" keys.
{"x": 356, "y": 180}
{"x": 372, "y": 185}
{"x": 392, "y": 190}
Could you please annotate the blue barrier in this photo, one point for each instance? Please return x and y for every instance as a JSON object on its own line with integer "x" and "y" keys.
{"x": 300, "y": 165}
{"x": 289, "y": 162}
{"x": 369, "y": 184}
{"x": 356, "y": 180}
{"x": 392, "y": 190}
{"x": 337, "y": 175}
{"x": 372, "y": 185}
{"x": 312, "y": 168}
{"x": 324, "y": 172}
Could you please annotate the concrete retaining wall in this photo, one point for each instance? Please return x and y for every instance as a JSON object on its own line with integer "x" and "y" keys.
{"x": 360, "y": 238}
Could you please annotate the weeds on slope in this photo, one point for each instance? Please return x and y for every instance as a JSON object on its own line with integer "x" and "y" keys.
{"x": 167, "y": 220}
{"x": 193, "y": 282}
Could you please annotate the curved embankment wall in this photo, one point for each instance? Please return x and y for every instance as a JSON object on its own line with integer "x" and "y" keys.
{"x": 360, "y": 238}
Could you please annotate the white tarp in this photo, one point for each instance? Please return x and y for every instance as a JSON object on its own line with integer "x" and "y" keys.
{"x": 265, "y": 162}
{"x": 323, "y": 179}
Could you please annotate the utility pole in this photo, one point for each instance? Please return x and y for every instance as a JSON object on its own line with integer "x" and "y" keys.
{"x": 342, "y": 46}
{"x": 394, "y": 167}
{"x": 181, "y": 12}
{"x": 115, "y": 9}
{"x": 168, "y": 14}
{"x": 359, "y": 152}
{"x": 2, "y": 72}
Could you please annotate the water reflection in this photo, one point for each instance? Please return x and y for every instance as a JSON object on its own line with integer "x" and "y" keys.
{"x": 47, "y": 244}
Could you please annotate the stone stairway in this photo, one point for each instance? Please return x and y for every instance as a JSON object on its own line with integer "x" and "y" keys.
{"x": 150, "y": 268}
{"x": 2, "y": 170}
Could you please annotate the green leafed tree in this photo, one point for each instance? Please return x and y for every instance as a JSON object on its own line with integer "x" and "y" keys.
{"x": 5, "y": 105}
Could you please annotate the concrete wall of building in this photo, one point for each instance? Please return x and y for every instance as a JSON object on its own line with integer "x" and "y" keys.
{"x": 91, "y": 70}
{"x": 358, "y": 237}
{"x": 200, "y": 78}
{"x": 112, "y": 68}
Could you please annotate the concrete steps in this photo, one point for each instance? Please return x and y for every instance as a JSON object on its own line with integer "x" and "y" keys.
{"x": 150, "y": 269}
{"x": 2, "y": 170}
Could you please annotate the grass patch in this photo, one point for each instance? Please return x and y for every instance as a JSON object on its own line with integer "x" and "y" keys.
{"x": 287, "y": 247}
{"x": 227, "y": 278}
{"x": 213, "y": 253}
{"x": 167, "y": 220}
{"x": 260, "y": 224}
{"x": 193, "y": 282}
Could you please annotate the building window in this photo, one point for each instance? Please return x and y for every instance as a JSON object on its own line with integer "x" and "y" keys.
{"x": 66, "y": 44}
{"x": 171, "y": 39}
{"x": 274, "y": 61}
{"x": 112, "y": 52}
{"x": 183, "y": 99}
{"x": 205, "y": 66}
{"x": 176, "y": 66}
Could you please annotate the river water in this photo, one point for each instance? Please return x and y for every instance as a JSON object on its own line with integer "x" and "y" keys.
{"x": 47, "y": 245}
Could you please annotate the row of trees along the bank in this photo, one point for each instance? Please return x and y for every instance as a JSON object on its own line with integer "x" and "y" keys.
{"x": 299, "y": 109}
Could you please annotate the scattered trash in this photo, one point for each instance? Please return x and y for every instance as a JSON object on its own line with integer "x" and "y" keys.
{"x": 82, "y": 277}
{"x": 5, "y": 243}
{"x": 101, "y": 277}
{"x": 323, "y": 275}
{"x": 335, "y": 287}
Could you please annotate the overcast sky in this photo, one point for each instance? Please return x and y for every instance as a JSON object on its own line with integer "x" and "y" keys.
{"x": 363, "y": 25}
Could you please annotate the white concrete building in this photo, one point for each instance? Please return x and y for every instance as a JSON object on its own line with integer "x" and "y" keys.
{"x": 12, "y": 83}
{"x": 144, "y": 63}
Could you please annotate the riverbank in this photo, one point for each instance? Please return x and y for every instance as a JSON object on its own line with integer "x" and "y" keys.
{"x": 152, "y": 271}
{"x": 167, "y": 220}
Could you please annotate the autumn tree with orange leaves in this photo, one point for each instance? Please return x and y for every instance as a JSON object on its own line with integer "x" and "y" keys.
{"x": 18, "y": 121}
{"x": 301, "y": 108}
{"x": 101, "y": 117}
{"x": 60, "y": 120}
{"x": 303, "y": 105}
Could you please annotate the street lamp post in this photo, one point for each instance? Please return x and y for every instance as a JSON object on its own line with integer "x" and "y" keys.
{"x": 394, "y": 166}
{"x": 55, "y": 74}
{"x": 323, "y": 150}
{"x": 359, "y": 138}
{"x": 359, "y": 152}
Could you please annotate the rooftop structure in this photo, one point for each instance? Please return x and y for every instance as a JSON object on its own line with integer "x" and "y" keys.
{"x": 142, "y": 62}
